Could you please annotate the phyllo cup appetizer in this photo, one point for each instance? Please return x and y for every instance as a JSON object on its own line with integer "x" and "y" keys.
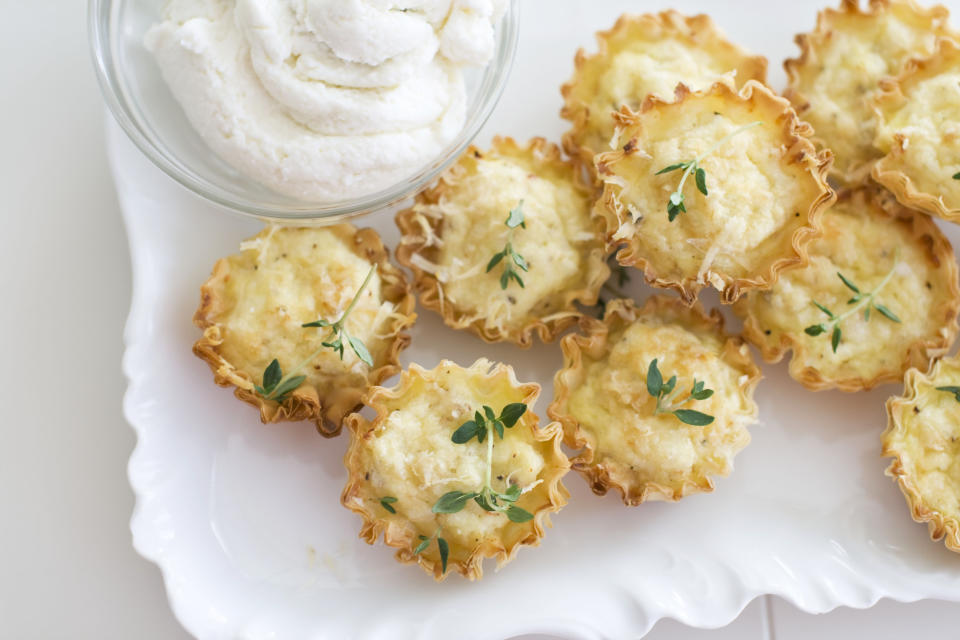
{"x": 919, "y": 131}
{"x": 840, "y": 67}
{"x": 656, "y": 400}
{"x": 880, "y": 296}
{"x": 923, "y": 438}
{"x": 454, "y": 467}
{"x": 643, "y": 55}
{"x": 504, "y": 244}
{"x": 719, "y": 188}
{"x": 304, "y": 320}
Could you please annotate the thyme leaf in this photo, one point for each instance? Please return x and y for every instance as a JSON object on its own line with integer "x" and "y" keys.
{"x": 387, "y": 503}
{"x": 951, "y": 389}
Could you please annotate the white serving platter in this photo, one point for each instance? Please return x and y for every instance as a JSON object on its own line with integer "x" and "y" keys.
{"x": 245, "y": 523}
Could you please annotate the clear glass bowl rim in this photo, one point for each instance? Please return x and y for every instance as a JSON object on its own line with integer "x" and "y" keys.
{"x": 99, "y": 13}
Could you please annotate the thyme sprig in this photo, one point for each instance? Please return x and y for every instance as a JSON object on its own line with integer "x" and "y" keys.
{"x": 484, "y": 426}
{"x": 510, "y": 258}
{"x": 860, "y": 300}
{"x": 677, "y": 202}
{"x": 277, "y": 386}
{"x": 670, "y": 399}
{"x": 951, "y": 389}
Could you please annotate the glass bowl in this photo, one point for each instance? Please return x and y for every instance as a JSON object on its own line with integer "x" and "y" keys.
{"x": 146, "y": 109}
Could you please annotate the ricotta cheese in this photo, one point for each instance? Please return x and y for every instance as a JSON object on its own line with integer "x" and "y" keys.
{"x": 324, "y": 100}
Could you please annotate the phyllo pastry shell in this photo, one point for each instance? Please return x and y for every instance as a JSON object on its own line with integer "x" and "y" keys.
{"x": 841, "y": 64}
{"x": 923, "y": 438}
{"x": 604, "y": 400}
{"x": 254, "y": 305}
{"x": 643, "y": 55}
{"x": 754, "y": 189}
{"x": 871, "y": 243}
{"x": 404, "y": 461}
{"x": 454, "y": 230}
{"x": 919, "y": 131}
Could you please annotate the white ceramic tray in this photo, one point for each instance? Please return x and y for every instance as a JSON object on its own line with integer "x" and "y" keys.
{"x": 245, "y": 522}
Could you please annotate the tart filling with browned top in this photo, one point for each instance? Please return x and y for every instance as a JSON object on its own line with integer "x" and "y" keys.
{"x": 657, "y": 400}
{"x": 504, "y": 244}
{"x": 841, "y": 65}
{"x": 255, "y": 305}
{"x": 880, "y": 296}
{"x": 719, "y": 188}
{"x": 643, "y": 55}
{"x": 919, "y": 131}
{"x": 454, "y": 467}
{"x": 923, "y": 438}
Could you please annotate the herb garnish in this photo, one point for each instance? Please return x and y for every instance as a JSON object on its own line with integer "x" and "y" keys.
{"x": 859, "y": 300}
{"x": 483, "y": 427}
{"x": 442, "y": 546}
{"x": 677, "y": 205}
{"x": 509, "y": 256}
{"x": 387, "y": 503}
{"x": 667, "y": 402}
{"x": 276, "y": 386}
{"x": 956, "y": 176}
{"x": 954, "y": 390}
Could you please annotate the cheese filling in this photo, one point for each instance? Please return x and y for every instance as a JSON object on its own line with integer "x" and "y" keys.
{"x": 324, "y": 99}
{"x": 755, "y": 198}
{"x": 929, "y": 442}
{"x": 413, "y": 458}
{"x": 928, "y": 125}
{"x": 558, "y": 227}
{"x": 616, "y": 411}
{"x": 285, "y": 278}
{"x": 845, "y": 73}
{"x": 863, "y": 247}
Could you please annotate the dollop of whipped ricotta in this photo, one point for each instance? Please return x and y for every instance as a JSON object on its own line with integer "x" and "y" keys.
{"x": 324, "y": 100}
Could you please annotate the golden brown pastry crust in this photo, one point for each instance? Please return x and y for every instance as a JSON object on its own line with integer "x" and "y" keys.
{"x": 831, "y": 23}
{"x": 923, "y": 233}
{"x": 361, "y": 497}
{"x": 304, "y": 403}
{"x": 592, "y": 344}
{"x": 422, "y": 235}
{"x": 901, "y": 411}
{"x": 796, "y": 150}
{"x": 890, "y": 170}
{"x": 697, "y": 32}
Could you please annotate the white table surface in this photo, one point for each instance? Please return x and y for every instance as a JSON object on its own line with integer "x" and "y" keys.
{"x": 68, "y": 569}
